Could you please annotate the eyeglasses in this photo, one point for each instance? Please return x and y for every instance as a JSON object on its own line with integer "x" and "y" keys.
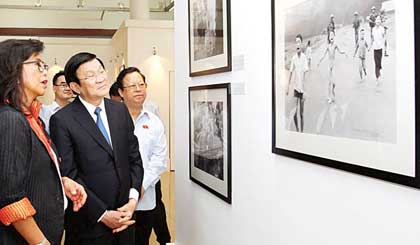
{"x": 93, "y": 77}
{"x": 62, "y": 85}
{"x": 41, "y": 65}
{"x": 136, "y": 86}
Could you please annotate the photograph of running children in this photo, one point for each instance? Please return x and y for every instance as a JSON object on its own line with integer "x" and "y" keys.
{"x": 340, "y": 69}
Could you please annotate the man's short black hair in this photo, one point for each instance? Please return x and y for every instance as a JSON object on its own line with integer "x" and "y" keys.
{"x": 113, "y": 91}
{"x": 56, "y": 76}
{"x": 299, "y": 36}
{"x": 75, "y": 62}
{"x": 125, "y": 72}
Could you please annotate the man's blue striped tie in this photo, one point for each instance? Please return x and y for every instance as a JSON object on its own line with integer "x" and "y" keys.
{"x": 101, "y": 125}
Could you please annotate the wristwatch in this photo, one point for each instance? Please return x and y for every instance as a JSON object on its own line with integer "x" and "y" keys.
{"x": 44, "y": 242}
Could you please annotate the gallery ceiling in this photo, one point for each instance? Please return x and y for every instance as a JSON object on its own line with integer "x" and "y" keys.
{"x": 99, "y": 14}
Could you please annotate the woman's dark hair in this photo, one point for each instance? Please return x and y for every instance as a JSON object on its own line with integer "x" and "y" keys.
{"x": 13, "y": 53}
{"x": 75, "y": 62}
{"x": 125, "y": 72}
{"x": 56, "y": 76}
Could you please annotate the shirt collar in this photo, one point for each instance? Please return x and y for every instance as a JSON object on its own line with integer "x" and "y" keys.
{"x": 143, "y": 113}
{"x": 55, "y": 106}
{"x": 91, "y": 108}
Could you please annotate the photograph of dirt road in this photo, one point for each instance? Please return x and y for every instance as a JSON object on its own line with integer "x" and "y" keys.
{"x": 340, "y": 63}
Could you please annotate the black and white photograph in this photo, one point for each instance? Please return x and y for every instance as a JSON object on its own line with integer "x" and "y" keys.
{"x": 208, "y": 137}
{"x": 341, "y": 69}
{"x": 344, "y": 78}
{"x": 209, "y": 30}
{"x": 210, "y": 164}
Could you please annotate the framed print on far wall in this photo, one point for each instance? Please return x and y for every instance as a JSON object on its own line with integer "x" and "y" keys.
{"x": 344, "y": 85}
{"x": 210, "y": 141}
{"x": 209, "y": 36}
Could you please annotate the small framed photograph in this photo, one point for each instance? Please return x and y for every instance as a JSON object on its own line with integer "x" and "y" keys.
{"x": 344, "y": 85}
{"x": 210, "y": 141}
{"x": 209, "y": 36}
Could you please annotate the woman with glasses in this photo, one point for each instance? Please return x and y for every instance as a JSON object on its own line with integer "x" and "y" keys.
{"x": 32, "y": 190}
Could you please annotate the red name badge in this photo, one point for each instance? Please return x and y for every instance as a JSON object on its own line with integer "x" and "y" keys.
{"x": 145, "y": 126}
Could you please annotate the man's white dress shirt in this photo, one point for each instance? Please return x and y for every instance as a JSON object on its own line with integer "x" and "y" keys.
{"x": 46, "y": 112}
{"x": 152, "y": 143}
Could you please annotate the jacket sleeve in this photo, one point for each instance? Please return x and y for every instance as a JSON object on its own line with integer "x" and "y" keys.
{"x": 134, "y": 157}
{"x": 61, "y": 136}
{"x": 15, "y": 155}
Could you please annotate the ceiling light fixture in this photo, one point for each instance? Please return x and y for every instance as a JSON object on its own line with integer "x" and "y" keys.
{"x": 81, "y": 4}
{"x": 38, "y": 3}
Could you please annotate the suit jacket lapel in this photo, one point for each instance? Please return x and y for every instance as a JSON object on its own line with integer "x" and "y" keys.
{"x": 55, "y": 152}
{"x": 53, "y": 148}
{"x": 86, "y": 121}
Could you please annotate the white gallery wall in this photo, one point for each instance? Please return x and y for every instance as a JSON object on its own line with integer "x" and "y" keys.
{"x": 275, "y": 199}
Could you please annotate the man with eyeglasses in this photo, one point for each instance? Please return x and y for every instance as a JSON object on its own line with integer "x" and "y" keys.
{"x": 150, "y": 211}
{"x": 62, "y": 94}
{"x": 149, "y": 105}
{"x": 95, "y": 138}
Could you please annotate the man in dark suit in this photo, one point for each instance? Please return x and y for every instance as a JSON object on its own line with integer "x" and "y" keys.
{"x": 95, "y": 138}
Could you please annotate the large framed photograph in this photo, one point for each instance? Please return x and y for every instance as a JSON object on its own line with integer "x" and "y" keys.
{"x": 209, "y": 36}
{"x": 344, "y": 85}
{"x": 210, "y": 142}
